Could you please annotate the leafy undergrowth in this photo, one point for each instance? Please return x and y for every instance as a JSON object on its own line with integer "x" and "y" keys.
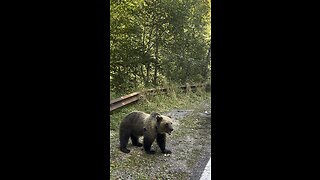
{"x": 189, "y": 142}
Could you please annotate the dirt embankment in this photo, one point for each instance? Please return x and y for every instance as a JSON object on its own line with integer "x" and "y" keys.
{"x": 190, "y": 144}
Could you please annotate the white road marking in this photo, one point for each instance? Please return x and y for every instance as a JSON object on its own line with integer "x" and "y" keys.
{"x": 206, "y": 175}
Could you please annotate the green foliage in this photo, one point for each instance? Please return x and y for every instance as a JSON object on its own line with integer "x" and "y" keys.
{"x": 154, "y": 42}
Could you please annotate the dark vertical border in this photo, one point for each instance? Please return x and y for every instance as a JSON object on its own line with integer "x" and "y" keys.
{"x": 58, "y": 90}
{"x": 263, "y": 85}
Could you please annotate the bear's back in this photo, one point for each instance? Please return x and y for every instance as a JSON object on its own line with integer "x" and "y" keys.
{"x": 134, "y": 122}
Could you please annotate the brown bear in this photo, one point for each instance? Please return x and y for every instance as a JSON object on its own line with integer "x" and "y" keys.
{"x": 150, "y": 126}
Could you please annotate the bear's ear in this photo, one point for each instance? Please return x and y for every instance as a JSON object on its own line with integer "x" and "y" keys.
{"x": 159, "y": 118}
{"x": 155, "y": 114}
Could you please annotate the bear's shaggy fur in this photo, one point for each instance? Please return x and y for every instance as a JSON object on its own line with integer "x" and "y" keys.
{"x": 150, "y": 126}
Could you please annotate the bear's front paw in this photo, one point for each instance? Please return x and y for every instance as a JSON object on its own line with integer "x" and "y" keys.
{"x": 125, "y": 150}
{"x": 151, "y": 152}
{"x": 166, "y": 151}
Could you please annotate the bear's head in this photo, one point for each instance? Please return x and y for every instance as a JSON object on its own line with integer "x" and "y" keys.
{"x": 164, "y": 124}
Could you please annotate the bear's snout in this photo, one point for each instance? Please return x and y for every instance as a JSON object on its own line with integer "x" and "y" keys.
{"x": 170, "y": 130}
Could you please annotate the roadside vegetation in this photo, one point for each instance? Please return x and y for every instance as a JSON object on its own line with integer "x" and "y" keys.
{"x": 190, "y": 142}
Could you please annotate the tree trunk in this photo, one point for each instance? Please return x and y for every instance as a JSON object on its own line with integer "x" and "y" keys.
{"x": 148, "y": 74}
{"x": 156, "y": 64}
{"x": 185, "y": 65}
{"x": 208, "y": 62}
{"x": 142, "y": 74}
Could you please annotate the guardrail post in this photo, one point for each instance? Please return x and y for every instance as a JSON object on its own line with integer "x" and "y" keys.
{"x": 188, "y": 88}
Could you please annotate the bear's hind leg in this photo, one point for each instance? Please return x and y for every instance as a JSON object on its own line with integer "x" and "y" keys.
{"x": 135, "y": 141}
{"x": 124, "y": 138}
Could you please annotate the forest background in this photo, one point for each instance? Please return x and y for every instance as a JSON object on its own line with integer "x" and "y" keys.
{"x": 158, "y": 43}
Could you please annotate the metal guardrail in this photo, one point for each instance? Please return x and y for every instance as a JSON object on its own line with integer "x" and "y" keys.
{"x": 124, "y": 100}
{"x": 133, "y": 97}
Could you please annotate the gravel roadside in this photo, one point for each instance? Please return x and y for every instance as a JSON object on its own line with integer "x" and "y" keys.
{"x": 190, "y": 144}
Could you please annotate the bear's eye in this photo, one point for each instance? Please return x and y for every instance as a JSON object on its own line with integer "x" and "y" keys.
{"x": 167, "y": 124}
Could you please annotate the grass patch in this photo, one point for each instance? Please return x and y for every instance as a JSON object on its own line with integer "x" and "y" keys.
{"x": 174, "y": 99}
{"x": 192, "y": 159}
